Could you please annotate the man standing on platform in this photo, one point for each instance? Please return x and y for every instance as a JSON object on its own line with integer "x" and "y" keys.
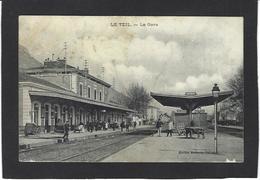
{"x": 66, "y": 131}
{"x": 159, "y": 126}
{"x": 122, "y": 125}
{"x": 170, "y": 128}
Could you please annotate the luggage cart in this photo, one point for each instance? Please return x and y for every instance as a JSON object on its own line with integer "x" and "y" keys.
{"x": 180, "y": 128}
{"x": 31, "y": 129}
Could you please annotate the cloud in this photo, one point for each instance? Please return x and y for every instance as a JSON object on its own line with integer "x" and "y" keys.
{"x": 122, "y": 74}
{"x": 202, "y": 84}
{"x": 153, "y": 53}
{"x": 180, "y": 54}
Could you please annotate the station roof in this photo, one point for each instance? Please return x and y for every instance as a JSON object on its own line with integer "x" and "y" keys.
{"x": 189, "y": 101}
{"x": 63, "y": 93}
{"x": 23, "y": 77}
{"x": 42, "y": 70}
{"x": 77, "y": 98}
{"x": 59, "y": 67}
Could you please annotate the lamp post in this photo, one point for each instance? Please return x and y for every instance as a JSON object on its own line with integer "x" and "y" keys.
{"x": 215, "y": 94}
{"x": 199, "y": 109}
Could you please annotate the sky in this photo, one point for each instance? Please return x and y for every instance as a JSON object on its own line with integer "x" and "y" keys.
{"x": 164, "y": 54}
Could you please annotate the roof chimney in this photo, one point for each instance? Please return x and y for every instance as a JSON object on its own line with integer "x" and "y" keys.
{"x": 86, "y": 66}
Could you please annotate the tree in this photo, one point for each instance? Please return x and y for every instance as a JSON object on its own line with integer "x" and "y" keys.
{"x": 138, "y": 98}
{"x": 237, "y": 85}
{"x": 236, "y": 102}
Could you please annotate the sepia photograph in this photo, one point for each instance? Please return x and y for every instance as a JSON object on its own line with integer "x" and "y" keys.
{"x": 131, "y": 89}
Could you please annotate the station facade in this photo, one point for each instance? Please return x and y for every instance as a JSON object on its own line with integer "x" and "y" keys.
{"x": 153, "y": 113}
{"x": 60, "y": 92}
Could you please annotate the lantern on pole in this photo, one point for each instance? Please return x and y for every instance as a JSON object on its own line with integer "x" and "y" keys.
{"x": 215, "y": 94}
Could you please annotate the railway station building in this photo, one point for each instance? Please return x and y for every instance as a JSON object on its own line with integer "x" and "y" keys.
{"x": 153, "y": 114}
{"x": 60, "y": 92}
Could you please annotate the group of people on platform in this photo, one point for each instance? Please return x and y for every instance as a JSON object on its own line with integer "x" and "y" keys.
{"x": 89, "y": 126}
{"x": 97, "y": 125}
{"x": 170, "y": 127}
{"x": 126, "y": 124}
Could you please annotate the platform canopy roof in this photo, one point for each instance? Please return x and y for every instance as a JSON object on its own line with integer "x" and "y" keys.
{"x": 189, "y": 101}
{"x": 77, "y": 98}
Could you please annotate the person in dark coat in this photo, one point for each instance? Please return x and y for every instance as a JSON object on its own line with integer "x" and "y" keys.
{"x": 122, "y": 125}
{"x": 87, "y": 124}
{"x": 135, "y": 124}
{"x": 159, "y": 126}
{"x": 91, "y": 126}
{"x": 114, "y": 126}
{"x": 95, "y": 125}
{"x": 127, "y": 126}
{"x": 66, "y": 131}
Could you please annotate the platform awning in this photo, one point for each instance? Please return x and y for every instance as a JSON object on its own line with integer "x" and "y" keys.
{"x": 74, "y": 97}
{"x": 189, "y": 102}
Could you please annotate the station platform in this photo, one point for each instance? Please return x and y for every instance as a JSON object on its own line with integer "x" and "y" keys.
{"x": 182, "y": 149}
{"x": 43, "y": 139}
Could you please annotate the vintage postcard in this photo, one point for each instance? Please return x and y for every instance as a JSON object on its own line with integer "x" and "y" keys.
{"x": 131, "y": 89}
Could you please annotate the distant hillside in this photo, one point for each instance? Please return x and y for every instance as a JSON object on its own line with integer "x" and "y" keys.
{"x": 26, "y": 60}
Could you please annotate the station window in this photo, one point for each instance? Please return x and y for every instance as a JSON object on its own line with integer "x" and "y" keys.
{"x": 88, "y": 92}
{"x": 81, "y": 89}
{"x": 95, "y": 94}
{"x": 100, "y": 95}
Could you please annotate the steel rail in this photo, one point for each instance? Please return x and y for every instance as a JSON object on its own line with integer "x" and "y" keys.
{"x": 83, "y": 139}
{"x": 151, "y": 132}
{"x": 95, "y": 149}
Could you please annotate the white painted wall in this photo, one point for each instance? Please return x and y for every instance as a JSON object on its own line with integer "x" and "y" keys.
{"x": 74, "y": 82}
{"x": 26, "y": 106}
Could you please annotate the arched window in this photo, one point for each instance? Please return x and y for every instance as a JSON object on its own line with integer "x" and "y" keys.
{"x": 100, "y": 95}
{"x": 89, "y": 92}
{"x": 47, "y": 116}
{"x": 56, "y": 114}
{"x": 64, "y": 114}
{"x": 80, "y": 89}
{"x": 36, "y": 113}
{"x": 95, "y": 94}
{"x": 72, "y": 115}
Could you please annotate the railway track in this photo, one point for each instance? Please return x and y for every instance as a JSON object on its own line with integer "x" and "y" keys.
{"x": 231, "y": 131}
{"x": 71, "y": 142}
{"x": 88, "y": 150}
{"x": 78, "y": 155}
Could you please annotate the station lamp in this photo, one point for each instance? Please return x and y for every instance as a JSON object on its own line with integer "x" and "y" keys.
{"x": 215, "y": 91}
{"x": 215, "y": 94}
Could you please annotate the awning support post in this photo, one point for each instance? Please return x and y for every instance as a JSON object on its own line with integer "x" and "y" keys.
{"x": 190, "y": 115}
